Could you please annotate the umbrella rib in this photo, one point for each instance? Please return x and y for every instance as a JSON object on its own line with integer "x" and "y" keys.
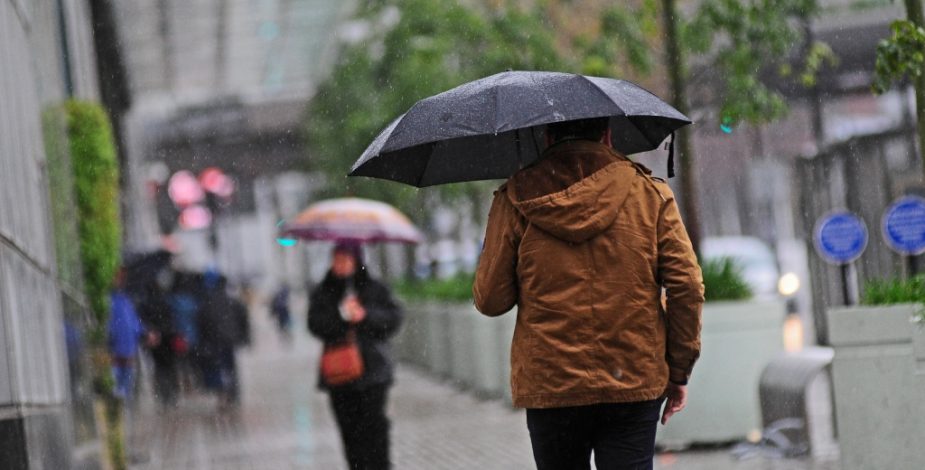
{"x": 497, "y": 110}
{"x": 606, "y": 96}
{"x": 430, "y": 157}
{"x": 633, "y": 123}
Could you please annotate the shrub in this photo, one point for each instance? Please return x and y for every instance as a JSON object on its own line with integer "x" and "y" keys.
{"x": 723, "y": 280}
{"x": 894, "y": 291}
{"x": 455, "y": 289}
{"x": 897, "y": 291}
{"x": 96, "y": 186}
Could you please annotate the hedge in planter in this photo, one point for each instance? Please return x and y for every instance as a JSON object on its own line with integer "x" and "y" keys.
{"x": 897, "y": 291}
{"x": 96, "y": 183}
{"x": 455, "y": 289}
{"x": 96, "y": 188}
{"x": 723, "y": 280}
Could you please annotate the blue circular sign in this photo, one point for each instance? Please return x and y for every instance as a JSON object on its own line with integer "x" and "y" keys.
{"x": 840, "y": 237}
{"x": 904, "y": 225}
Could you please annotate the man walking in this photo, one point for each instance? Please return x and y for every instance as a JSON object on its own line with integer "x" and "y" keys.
{"x": 584, "y": 242}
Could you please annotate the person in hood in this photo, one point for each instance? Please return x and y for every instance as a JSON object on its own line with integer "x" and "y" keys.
{"x": 584, "y": 243}
{"x": 125, "y": 334}
{"x": 349, "y": 299}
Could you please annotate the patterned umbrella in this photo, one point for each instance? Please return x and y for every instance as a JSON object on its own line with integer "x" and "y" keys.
{"x": 352, "y": 219}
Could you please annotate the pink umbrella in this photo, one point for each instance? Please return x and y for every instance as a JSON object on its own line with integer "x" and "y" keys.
{"x": 352, "y": 219}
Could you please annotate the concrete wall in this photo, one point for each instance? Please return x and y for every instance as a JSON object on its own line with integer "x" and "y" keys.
{"x": 35, "y": 77}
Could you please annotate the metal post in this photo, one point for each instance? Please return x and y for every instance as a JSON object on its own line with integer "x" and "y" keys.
{"x": 845, "y": 279}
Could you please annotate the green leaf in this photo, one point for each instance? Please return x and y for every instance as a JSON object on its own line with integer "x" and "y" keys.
{"x": 899, "y": 56}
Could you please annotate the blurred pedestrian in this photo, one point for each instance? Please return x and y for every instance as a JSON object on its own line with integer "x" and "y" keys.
{"x": 125, "y": 334}
{"x": 240, "y": 314}
{"x": 279, "y": 310}
{"x": 158, "y": 319}
{"x": 223, "y": 326}
{"x": 350, "y": 305}
{"x": 584, "y": 242}
{"x": 185, "y": 307}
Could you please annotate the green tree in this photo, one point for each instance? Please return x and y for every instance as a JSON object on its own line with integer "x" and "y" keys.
{"x": 903, "y": 55}
{"x": 732, "y": 42}
{"x": 435, "y": 45}
{"x": 438, "y": 44}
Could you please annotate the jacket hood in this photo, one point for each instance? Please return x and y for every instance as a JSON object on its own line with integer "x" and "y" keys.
{"x": 588, "y": 204}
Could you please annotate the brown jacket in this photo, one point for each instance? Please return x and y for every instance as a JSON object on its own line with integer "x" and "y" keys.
{"x": 583, "y": 243}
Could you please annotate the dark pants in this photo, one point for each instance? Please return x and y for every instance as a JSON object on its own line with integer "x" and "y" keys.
{"x": 622, "y": 436}
{"x": 364, "y": 427}
{"x": 229, "y": 371}
{"x": 166, "y": 380}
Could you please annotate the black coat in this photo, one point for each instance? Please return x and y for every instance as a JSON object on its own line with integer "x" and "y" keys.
{"x": 222, "y": 323}
{"x": 383, "y": 317}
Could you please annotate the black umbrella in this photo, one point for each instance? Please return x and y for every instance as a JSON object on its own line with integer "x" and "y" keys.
{"x": 492, "y": 127}
{"x": 142, "y": 269}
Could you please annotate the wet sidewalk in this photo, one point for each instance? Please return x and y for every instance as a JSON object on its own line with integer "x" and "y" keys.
{"x": 284, "y": 422}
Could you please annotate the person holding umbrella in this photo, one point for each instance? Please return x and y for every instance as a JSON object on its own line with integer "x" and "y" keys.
{"x": 583, "y": 242}
{"x": 581, "y": 239}
{"x": 350, "y": 307}
{"x": 355, "y": 315}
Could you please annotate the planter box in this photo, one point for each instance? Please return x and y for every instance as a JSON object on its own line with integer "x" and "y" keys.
{"x": 455, "y": 341}
{"x": 411, "y": 339}
{"x": 738, "y": 340}
{"x": 436, "y": 349}
{"x": 878, "y": 377}
{"x": 424, "y": 338}
{"x": 463, "y": 353}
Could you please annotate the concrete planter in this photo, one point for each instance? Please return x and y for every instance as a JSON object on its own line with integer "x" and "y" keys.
{"x": 878, "y": 377}
{"x": 410, "y": 342}
{"x": 436, "y": 349}
{"x": 738, "y": 340}
{"x": 463, "y": 353}
{"x": 455, "y": 341}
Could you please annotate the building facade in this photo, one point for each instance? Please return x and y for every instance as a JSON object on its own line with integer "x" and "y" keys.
{"x": 46, "y": 56}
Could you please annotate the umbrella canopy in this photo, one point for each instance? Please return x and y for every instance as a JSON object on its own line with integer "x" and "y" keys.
{"x": 352, "y": 219}
{"x": 142, "y": 269}
{"x": 492, "y": 127}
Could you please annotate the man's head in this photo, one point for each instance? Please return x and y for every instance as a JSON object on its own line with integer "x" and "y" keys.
{"x": 596, "y": 129}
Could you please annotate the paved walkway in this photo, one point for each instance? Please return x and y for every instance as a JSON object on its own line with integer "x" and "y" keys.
{"x": 284, "y": 422}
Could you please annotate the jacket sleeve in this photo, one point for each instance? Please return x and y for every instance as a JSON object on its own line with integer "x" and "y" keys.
{"x": 495, "y": 288}
{"x": 679, "y": 273}
{"x": 324, "y": 319}
{"x": 383, "y": 314}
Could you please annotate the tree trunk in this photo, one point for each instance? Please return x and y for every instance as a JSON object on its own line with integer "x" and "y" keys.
{"x": 915, "y": 14}
{"x": 674, "y": 62}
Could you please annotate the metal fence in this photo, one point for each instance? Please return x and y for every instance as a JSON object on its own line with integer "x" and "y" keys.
{"x": 863, "y": 175}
